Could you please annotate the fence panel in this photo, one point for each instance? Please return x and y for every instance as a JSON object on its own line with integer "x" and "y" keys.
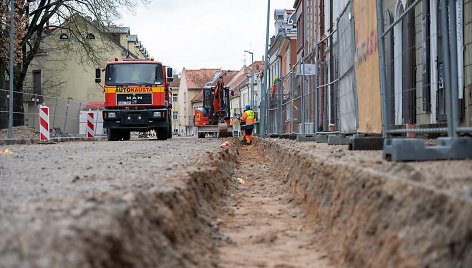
{"x": 422, "y": 87}
{"x": 347, "y": 94}
{"x": 66, "y": 116}
{"x": 287, "y": 103}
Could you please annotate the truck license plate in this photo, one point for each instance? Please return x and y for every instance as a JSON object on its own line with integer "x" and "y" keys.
{"x": 134, "y": 99}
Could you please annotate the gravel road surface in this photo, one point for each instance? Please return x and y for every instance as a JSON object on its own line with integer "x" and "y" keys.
{"x": 105, "y": 204}
{"x": 34, "y": 173}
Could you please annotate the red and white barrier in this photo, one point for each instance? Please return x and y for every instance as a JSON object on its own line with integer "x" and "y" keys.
{"x": 44, "y": 123}
{"x": 153, "y": 133}
{"x": 90, "y": 125}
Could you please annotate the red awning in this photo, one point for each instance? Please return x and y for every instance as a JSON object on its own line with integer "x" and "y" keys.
{"x": 94, "y": 105}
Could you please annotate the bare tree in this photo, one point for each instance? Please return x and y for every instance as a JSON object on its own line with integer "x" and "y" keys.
{"x": 32, "y": 21}
{"x": 21, "y": 21}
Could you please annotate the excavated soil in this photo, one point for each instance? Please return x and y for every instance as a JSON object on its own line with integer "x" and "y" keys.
{"x": 142, "y": 203}
{"x": 372, "y": 213}
{"x": 20, "y": 133}
{"x": 263, "y": 224}
{"x": 187, "y": 203}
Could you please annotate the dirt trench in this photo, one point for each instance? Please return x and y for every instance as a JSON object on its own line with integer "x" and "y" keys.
{"x": 267, "y": 205}
{"x": 366, "y": 216}
{"x": 263, "y": 224}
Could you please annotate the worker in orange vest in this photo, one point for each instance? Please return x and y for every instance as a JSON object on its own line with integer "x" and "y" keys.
{"x": 247, "y": 124}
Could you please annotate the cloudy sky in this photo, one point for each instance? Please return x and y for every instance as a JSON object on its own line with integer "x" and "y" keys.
{"x": 203, "y": 33}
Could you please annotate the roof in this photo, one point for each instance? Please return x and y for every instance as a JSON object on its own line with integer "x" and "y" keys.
{"x": 94, "y": 105}
{"x": 227, "y": 77}
{"x": 236, "y": 86}
{"x": 116, "y": 29}
{"x": 105, "y": 33}
{"x": 133, "y": 38}
{"x": 198, "y": 98}
{"x": 243, "y": 80}
{"x": 258, "y": 66}
{"x": 197, "y": 79}
{"x": 176, "y": 82}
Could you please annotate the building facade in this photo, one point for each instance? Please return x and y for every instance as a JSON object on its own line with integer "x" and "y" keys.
{"x": 174, "y": 87}
{"x": 191, "y": 84}
{"x": 336, "y": 88}
{"x": 56, "y": 72}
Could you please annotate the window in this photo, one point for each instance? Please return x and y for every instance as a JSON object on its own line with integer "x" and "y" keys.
{"x": 144, "y": 74}
{"x": 90, "y": 36}
{"x": 175, "y": 116}
{"x": 37, "y": 82}
{"x": 174, "y": 98}
{"x": 64, "y": 36}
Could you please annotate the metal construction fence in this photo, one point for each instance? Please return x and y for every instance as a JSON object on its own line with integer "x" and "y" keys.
{"x": 319, "y": 95}
{"x": 397, "y": 69}
{"x": 422, "y": 78}
{"x": 422, "y": 67}
{"x": 66, "y": 117}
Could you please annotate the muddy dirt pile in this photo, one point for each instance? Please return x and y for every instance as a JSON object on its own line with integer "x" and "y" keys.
{"x": 124, "y": 219}
{"x": 20, "y": 133}
{"x": 372, "y": 213}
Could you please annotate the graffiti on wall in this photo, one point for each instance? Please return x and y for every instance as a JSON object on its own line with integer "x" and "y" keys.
{"x": 367, "y": 48}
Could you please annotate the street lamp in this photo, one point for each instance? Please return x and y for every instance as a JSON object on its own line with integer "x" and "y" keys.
{"x": 12, "y": 47}
{"x": 264, "y": 90}
{"x": 251, "y": 95}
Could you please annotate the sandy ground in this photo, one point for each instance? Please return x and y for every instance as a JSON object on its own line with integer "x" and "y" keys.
{"x": 142, "y": 202}
{"x": 69, "y": 170}
{"x": 263, "y": 223}
{"x": 454, "y": 176}
{"x": 375, "y": 213}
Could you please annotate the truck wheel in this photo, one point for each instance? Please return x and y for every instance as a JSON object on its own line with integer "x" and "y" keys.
{"x": 126, "y": 135}
{"x": 169, "y": 132}
{"x": 201, "y": 135}
{"x": 161, "y": 133}
{"x": 113, "y": 134}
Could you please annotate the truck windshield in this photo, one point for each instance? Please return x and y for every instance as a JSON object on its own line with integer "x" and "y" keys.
{"x": 144, "y": 74}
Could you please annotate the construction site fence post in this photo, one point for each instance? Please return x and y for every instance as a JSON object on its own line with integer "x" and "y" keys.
{"x": 419, "y": 80}
{"x": 66, "y": 116}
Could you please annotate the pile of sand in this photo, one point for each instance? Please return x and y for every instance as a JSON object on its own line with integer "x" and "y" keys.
{"x": 20, "y": 133}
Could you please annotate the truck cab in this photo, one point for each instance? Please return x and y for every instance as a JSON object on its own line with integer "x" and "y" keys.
{"x": 137, "y": 98}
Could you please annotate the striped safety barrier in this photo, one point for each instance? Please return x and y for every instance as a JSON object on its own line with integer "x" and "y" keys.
{"x": 44, "y": 123}
{"x": 90, "y": 125}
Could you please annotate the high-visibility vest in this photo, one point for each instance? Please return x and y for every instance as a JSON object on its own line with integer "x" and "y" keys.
{"x": 249, "y": 120}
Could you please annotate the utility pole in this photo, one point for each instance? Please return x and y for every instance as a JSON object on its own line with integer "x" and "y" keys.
{"x": 251, "y": 95}
{"x": 264, "y": 80}
{"x": 12, "y": 47}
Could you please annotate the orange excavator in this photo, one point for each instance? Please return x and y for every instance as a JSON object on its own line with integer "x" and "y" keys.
{"x": 214, "y": 117}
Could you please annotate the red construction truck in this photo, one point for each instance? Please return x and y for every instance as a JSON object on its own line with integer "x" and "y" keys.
{"x": 137, "y": 98}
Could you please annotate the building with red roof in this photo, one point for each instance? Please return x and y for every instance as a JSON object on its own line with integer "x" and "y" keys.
{"x": 191, "y": 83}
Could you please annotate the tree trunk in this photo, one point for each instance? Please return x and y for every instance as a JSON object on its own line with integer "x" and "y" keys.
{"x": 18, "y": 107}
{"x": 3, "y": 96}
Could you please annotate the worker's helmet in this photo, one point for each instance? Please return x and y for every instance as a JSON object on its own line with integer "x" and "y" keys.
{"x": 248, "y": 107}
